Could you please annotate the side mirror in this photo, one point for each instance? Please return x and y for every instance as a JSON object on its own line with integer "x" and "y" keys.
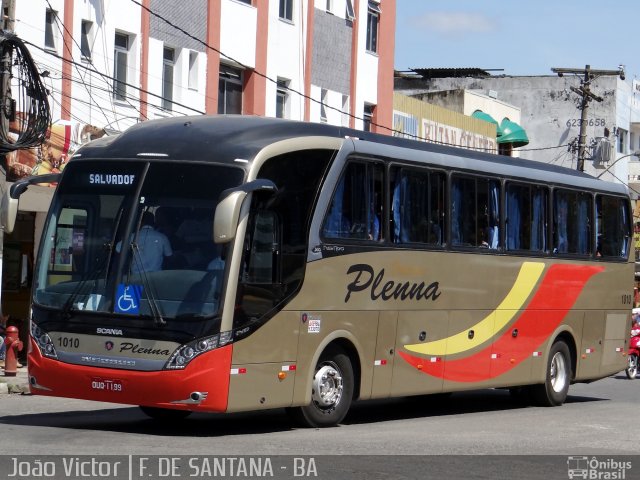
{"x": 10, "y": 199}
{"x": 227, "y": 214}
{"x": 8, "y": 212}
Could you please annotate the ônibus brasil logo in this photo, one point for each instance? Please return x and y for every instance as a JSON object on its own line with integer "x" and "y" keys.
{"x": 597, "y": 469}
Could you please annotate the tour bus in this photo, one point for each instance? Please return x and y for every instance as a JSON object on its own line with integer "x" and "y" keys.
{"x": 311, "y": 265}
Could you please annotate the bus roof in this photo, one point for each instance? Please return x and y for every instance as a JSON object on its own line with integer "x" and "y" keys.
{"x": 225, "y": 138}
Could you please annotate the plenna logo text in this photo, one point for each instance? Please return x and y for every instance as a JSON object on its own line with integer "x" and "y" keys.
{"x": 597, "y": 469}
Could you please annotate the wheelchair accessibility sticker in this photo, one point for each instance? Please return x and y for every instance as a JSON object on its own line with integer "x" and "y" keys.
{"x": 128, "y": 298}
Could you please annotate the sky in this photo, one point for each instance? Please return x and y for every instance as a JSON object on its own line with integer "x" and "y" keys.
{"x": 521, "y": 37}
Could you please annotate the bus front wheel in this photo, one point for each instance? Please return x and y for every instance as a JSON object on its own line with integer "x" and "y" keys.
{"x": 553, "y": 392}
{"x": 331, "y": 391}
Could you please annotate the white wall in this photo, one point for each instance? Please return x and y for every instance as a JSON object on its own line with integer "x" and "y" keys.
{"x": 91, "y": 90}
{"x": 367, "y": 81}
{"x": 237, "y": 35}
{"x": 286, "y": 56}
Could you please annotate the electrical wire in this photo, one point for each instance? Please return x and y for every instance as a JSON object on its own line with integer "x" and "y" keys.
{"x": 61, "y": 26}
{"x": 107, "y": 77}
{"x": 29, "y": 97}
{"x": 305, "y": 96}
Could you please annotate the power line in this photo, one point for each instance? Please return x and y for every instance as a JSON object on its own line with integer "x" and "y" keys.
{"x": 305, "y": 96}
{"x": 60, "y": 24}
{"x": 257, "y": 72}
{"x": 105, "y": 76}
{"x": 586, "y": 96}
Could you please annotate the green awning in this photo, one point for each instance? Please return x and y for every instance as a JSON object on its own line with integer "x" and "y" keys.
{"x": 480, "y": 115}
{"x": 513, "y": 133}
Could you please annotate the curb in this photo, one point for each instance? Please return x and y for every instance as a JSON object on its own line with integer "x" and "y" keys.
{"x": 10, "y": 385}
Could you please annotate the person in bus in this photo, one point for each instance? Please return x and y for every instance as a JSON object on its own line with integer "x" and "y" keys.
{"x": 152, "y": 247}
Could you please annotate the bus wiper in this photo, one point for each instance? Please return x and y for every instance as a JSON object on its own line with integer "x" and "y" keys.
{"x": 92, "y": 277}
{"x": 153, "y": 304}
{"x": 108, "y": 246}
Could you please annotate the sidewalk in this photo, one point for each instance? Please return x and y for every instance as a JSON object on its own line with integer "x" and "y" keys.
{"x": 17, "y": 384}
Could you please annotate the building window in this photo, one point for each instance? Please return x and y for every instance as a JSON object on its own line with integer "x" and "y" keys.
{"x": 373, "y": 19}
{"x": 230, "y": 90}
{"x": 168, "y": 61}
{"x": 286, "y": 10}
{"x": 323, "y": 104}
{"x": 350, "y": 13}
{"x": 345, "y": 111}
{"x": 622, "y": 140}
{"x": 120, "y": 64}
{"x": 50, "y": 36}
{"x": 367, "y": 117}
{"x": 86, "y": 32}
{"x": 282, "y": 98}
{"x": 193, "y": 70}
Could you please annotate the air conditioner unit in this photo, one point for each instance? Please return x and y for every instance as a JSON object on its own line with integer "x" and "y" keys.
{"x": 602, "y": 149}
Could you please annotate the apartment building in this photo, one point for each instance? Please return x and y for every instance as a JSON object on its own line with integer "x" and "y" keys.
{"x": 112, "y": 63}
{"x": 109, "y": 64}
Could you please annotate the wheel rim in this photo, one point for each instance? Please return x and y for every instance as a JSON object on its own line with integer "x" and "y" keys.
{"x": 327, "y": 387}
{"x": 558, "y": 372}
{"x": 632, "y": 365}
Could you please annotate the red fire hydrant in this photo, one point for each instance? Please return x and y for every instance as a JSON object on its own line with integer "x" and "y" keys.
{"x": 14, "y": 345}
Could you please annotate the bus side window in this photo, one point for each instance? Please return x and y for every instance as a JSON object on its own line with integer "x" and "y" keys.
{"x": 526, "y": 226}
{"x": 475, "y": 212}
{"x": 572, "y": 227}
{"x": 356, "y": 207}
{"x": 416, "y": 206}
{"x": 612, "y": 227}
{"x": 263, "y": 249}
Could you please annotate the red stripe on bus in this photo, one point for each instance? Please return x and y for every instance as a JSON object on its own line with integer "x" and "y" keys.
{"x": 556, "y": 295}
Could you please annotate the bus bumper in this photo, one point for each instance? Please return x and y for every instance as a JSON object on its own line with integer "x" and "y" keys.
{"x": 202, "y": 386}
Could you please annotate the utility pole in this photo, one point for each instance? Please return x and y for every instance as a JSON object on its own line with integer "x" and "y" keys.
{"x": 7, "y": 23}
{"x": 585, "y": 92}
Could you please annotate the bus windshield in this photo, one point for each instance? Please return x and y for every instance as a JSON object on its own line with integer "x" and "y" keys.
{"x": 134, "y": 239}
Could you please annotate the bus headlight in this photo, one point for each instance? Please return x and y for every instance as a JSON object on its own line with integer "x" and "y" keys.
{"x": 44, "y": 341}
{"x": 184, "y": 354}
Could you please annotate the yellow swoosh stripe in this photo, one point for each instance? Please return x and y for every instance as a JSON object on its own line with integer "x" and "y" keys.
{"x": 528, "y": 277}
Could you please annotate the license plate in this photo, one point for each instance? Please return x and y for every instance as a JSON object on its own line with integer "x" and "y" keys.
{"x": 106, "y": 385}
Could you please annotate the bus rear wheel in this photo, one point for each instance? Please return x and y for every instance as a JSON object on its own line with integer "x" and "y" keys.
{"x": 331, "y": 392}
{"x": 553, "y": 392}
{"x": 166, "y": 414}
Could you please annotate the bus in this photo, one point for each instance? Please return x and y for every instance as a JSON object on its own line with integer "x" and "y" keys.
{"x": 310, "y": 266}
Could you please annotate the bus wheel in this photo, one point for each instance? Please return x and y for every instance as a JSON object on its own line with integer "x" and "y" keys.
{"x": 331, "y": 391}
{"x": 167, "y": 414}
{"x": 554, "y": 390}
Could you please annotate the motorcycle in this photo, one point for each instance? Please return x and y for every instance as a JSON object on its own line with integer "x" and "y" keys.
{"x": 633, "y": 355}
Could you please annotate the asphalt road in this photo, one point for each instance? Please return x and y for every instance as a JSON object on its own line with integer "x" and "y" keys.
{"x": 598, "y": 421}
